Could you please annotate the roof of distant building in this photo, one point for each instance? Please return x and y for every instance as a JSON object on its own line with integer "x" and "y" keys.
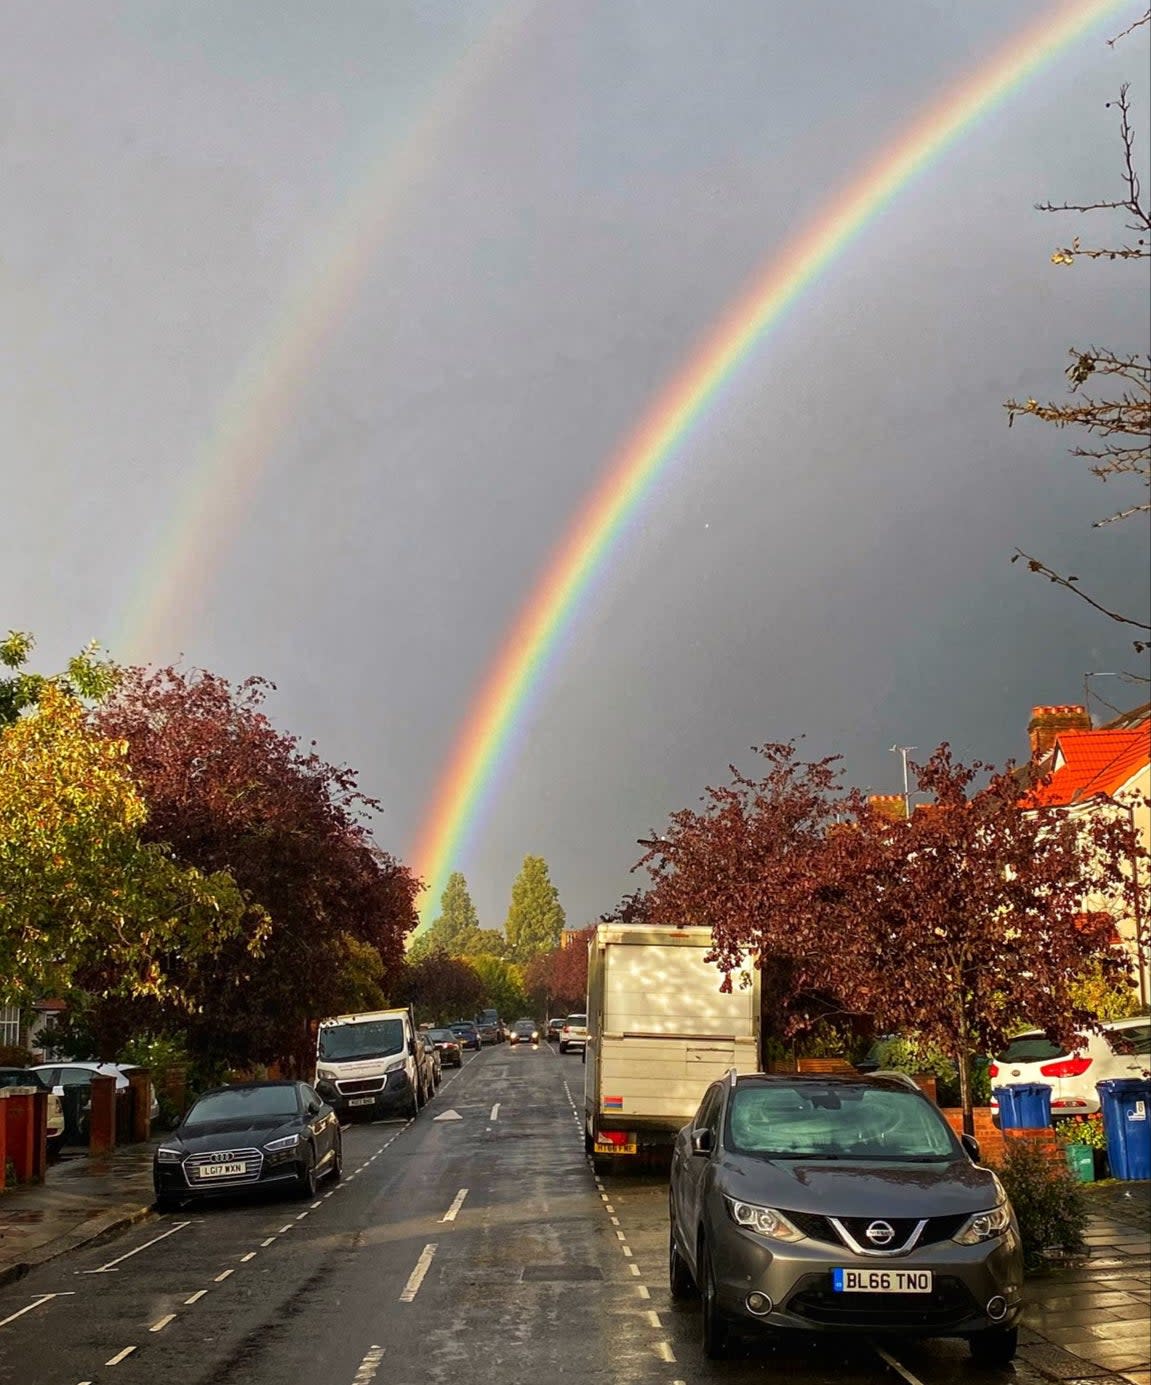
{"x": 1093, "y": 764}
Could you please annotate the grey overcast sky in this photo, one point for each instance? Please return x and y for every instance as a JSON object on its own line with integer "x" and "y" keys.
{"x": 470, "y": 243}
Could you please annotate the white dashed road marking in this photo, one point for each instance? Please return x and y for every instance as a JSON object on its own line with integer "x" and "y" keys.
{"x": 196, "y": 1297}
{"x": 219, "y": 1279}
{"x": 368, "y": 1366}
{"x": 664, "y": 1352}
{"x": 416, "y": 1278}
{"x": 495, "y": 1115}
{"x": 111, "y": 1265}
{"x": 120, "y": 1356}
{"x": 162, "y": 1323}
{"x": 42, "y": 1298}
{"x": 457, "y": 1203}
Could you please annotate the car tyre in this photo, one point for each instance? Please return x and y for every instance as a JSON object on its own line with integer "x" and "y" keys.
{"x": 716, "y": 1327}
{"x": 336, "y": 1172}
{"x": 680, "y": 1281}
{"x": 165, "y": 1202}
{"x": 412, "y": 1106}
{"x": 995, "y": 1347}
{"x": 306, "y": 1183}
{"x": 563, "y": 1047}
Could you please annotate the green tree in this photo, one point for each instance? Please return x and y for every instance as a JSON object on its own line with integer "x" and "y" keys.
{"x": 455, "y": 931}
{"x": 535, "y": 919}
{"x": 503, "y": 985}
{"x": 86, "y": 906}
{"x": 88, "y": 677}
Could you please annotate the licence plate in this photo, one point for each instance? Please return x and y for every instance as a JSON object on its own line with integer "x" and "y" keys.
{"x": 609, "y": 1148}
{"x": 881, "y": 1281}
{"x": 221, "y": 1170}
{"x": 362, "y": 1101}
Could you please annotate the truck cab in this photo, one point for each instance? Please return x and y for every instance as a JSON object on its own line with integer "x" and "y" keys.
{"x": 370, "y": 1065}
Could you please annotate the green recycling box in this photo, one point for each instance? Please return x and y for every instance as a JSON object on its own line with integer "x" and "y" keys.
{"x": 1081, "y": 1162}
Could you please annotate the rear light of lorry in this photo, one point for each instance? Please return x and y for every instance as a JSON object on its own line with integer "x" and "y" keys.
{"x": 613, "y": 1137}
{"x": 1066, "y": 1067}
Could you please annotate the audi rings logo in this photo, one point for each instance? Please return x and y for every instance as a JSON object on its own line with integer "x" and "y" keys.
{"x": 880, "y": 1233}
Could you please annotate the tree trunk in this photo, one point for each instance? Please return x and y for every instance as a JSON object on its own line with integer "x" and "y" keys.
{"x": 963, "y": 1062}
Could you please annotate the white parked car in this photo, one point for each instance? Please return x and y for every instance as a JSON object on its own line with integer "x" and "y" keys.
{"x": 1123, "y": 1049}
{"x": 61, "y": 1075}
{"x": 574, "y": 1033}
{"x": 27, "y": 1078}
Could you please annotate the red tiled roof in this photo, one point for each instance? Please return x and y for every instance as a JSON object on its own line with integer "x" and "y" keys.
{"x": 1090, "y": 763}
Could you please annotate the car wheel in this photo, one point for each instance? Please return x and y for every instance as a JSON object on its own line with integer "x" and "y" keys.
{"x": 165, "y": 1202}
{"x": 680, "y": 1282}
{"x": 337, "y": 1167}
{"x": 306, "y": 1183}
{"x": 563, "y": 1047}
{"x": 412, "y": 1109}
{"x": 995, "y": 1347}
{"x": 716, "y": 1328}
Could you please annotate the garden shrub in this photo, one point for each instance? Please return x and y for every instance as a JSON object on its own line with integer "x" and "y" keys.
{"x": 1050, "y": 1204}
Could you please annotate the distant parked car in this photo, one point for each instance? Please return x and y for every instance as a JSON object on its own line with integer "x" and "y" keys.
{"x": 554, "y": 1026}
{"x": 448, "y": 1046}
{"x": 467, "y": 1033}
{"x": 524, "y": 1032}
{"x": 252, "y": 1134}
{"x": 574, "y": 1033}
{"x": 29, "y": 1077}
{"x": 490, "y": 1031}
{"x": 1122, "y": 1050}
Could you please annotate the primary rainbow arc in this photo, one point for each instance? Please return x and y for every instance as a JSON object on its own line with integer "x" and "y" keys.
{"x": 518, "y": 669}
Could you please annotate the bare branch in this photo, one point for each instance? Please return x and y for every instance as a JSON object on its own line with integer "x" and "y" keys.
{"x": 1070, "y": 583}
{"x": 1130, "y": 29}
{"x": 1122, "y": 514}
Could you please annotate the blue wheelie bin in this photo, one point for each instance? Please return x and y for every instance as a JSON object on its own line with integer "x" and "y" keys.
{"x": 1126, "y": 1103}
{"x": 1024, "y": 1105}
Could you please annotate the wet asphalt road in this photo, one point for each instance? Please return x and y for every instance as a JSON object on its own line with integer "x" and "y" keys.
{"x": 471, "y": 1251}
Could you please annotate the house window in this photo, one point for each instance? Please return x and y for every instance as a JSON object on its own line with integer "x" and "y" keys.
{"x": 10, "y": 1031}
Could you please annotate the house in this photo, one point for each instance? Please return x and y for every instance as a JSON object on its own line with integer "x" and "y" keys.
{"x": 1099, "y": 770}
{"x": 30, "y": 1028}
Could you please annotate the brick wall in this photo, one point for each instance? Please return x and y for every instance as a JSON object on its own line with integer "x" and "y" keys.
{"x": 992, "y": 1142}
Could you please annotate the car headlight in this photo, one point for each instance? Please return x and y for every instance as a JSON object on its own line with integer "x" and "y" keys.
{"x": 535, "y": 1036}
{"x": 284, "y": 1142}
{"x": 764, "y": 1221}
{"x": 326, "y": 1074}
{"x": 984, "y": 1226}
{"x": 169, "y": 1156}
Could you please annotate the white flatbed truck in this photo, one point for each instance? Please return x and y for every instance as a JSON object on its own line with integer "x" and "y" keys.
{"x": 660, "y": 1030}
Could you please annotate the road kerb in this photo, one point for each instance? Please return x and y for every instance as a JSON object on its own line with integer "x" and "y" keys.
{"x": 104, "y": 1224}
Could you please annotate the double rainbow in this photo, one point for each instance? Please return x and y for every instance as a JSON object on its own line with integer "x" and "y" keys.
{"x": 519, "y": 670}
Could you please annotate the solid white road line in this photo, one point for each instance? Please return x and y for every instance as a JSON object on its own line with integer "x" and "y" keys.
{"x": 42, "y": 1298}
{"x": 457, "y": 1203}
{"x": 368, "y": 1366}
{"x": 120, "y": 1356}
{"x": 896, "y": 1366}
{"x": 495, "y": 1115}
{"x": 196, "y": 1297}
{"x": 103, "y": 1269}
{"x": 416, "y": 1278}
{"x": 162, "y": 1323}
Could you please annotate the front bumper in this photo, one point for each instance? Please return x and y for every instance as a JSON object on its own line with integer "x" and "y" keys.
{"x": 368, "y": 1097}
{"x": 180, "y": 1180}
{"x": 797, "y": 1277}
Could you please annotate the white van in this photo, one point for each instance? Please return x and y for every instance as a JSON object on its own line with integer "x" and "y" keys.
{"x": 1123, "y": 1049}
{"x": 371, "y": 1064}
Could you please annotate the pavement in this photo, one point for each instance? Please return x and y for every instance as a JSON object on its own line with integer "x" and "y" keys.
{"x": 80, "y": 1201}
{"x": 1088, "y": 1321}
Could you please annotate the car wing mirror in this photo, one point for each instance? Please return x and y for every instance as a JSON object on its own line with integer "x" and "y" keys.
{"x": 971, "y": 1146}
{"x": 701, "y": 1141}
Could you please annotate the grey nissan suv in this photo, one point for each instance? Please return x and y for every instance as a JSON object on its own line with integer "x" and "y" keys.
{"x": 840, "y": 1203}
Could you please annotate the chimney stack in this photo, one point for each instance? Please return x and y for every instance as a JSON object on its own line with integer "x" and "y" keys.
{"x": 1047, "y": 723}
{"x": 889, "y": 805}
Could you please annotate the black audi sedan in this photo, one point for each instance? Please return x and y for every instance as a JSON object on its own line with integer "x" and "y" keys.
{"x": 250, "y": 1135}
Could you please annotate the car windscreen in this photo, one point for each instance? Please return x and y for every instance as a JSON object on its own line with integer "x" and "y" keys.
{"x": 238, "y": 1102}
{"x": 1031, "y": 1048}
{"x": 343, "y": 1043}
{"x": 816, "y": 1121}
{"x": 1132, "y": 1038}
{"x": 441, "y": 1036}
{"x": 463, "y": 1029}
{"x": 577, "y": 1021}
{"x": 14, "y": 1077}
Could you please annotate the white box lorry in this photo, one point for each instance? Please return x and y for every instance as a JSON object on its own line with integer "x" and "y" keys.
{"x": 370, "y": 1065}
{"x": 660, "y": 1030}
